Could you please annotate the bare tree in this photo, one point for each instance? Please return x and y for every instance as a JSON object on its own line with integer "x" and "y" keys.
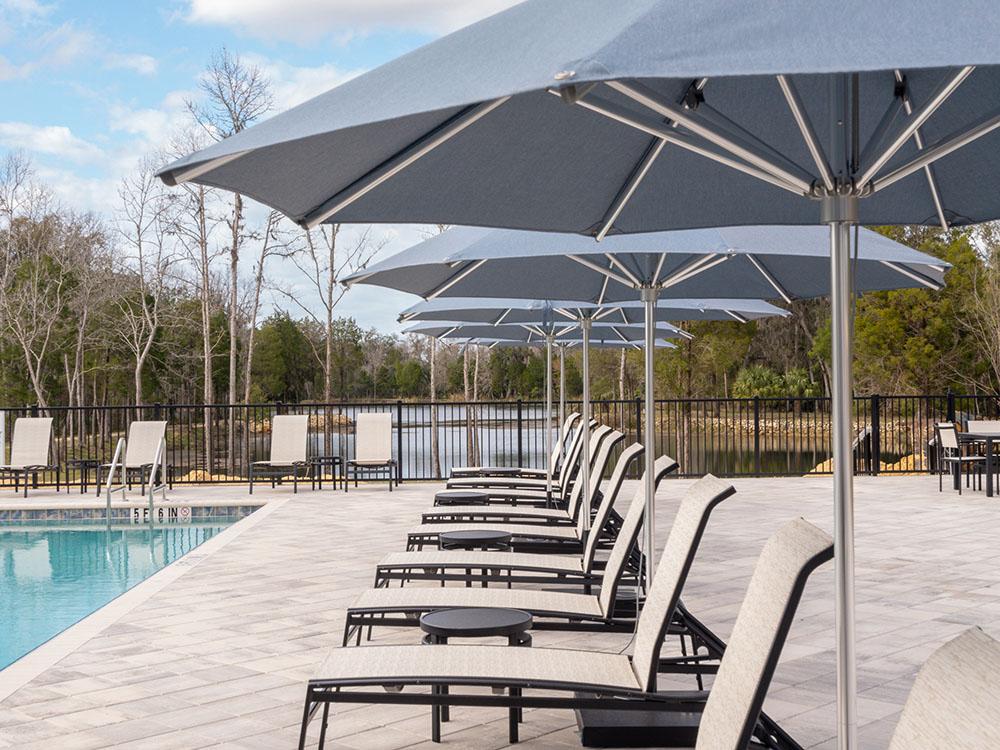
{"x": 235, "y": 94}
{"x": 193, "y": 225}
{"x": 273, "y": 242}
{"x": 325, "y": 257}
{"x": 144, "y": 267}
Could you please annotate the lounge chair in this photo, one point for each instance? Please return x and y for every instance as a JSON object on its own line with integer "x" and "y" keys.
{"x": 536, "y": 529}
{"x": 524, "y": 492}
{"x": 507, "y": 568}
{"x": 29, "y": 451}
{"x": 289, "y": 448}
{"x": 525, "y": 481}
{"x": 555, "y": 460}
{"x": 140, "y": 454}
{"x": 551, "y": 609}
{"x": 729, "y": 713}
{"x": 955, "y": 700}
{"x": 564, "y": 515}
{"x": 372, "y": 448}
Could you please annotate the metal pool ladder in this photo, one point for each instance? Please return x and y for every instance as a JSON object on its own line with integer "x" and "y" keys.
{"x": 116, "y": 465}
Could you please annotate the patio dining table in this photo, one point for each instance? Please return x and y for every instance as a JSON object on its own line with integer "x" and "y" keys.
{"x": 988, "y": 439}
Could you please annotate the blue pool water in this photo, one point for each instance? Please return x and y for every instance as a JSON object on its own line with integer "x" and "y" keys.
{"x": 51, "y": 577}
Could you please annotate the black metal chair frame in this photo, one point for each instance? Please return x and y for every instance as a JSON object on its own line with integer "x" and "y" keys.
{"x": 30, "y": 473}
{"x": 351, "y": 468}
{"x": 276, "y": 473}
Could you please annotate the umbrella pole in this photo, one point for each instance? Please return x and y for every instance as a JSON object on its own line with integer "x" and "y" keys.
{"x": 585, "y": 324}
{"x": 649, "y": 295}
{"x": 548, "y": 419}
{"x": 562, "y": 392}
{"x": 840, "y": 213}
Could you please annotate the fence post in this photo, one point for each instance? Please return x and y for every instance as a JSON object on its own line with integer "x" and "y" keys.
{"x": 876, "y": 434}
{"x": 756, "y": 435}
{"x": 34, "y": 410}
{"x": 951, "y": 406}
{"x": 156, "y": 410}
{"x": 520, "y": 434}
{"x": 399, "y": 441}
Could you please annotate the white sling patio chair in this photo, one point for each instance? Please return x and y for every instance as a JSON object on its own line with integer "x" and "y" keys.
{"x": 555, "y": 460}
{"x": 522, "y": 479}
{"x": 140, "y": 454}
{"x": 556, "y": 610}
{"x": 569, "y": 679}
{"x": 29, "y": 451}
{"x": 521, "y": 567}
{"x": 372, "y": 448}
{"x": 525, "y": 530}
{"x": 289, "y": 448}
{"x": 603, "y": 442}
{"x": 955, "y": 700}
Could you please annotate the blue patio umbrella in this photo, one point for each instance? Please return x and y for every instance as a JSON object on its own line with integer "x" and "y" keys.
{"x": 781, "y": 262}
{"x": 642, "y": 115}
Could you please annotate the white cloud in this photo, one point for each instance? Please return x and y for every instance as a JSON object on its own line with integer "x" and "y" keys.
{"x": 52, "y": 140}
{"x": 291, "y": 85}
{"x": 142, "y": 64}
{"x": 308, "y": 20}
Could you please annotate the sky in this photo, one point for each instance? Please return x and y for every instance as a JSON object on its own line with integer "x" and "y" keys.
{"x": 87, "y": 87}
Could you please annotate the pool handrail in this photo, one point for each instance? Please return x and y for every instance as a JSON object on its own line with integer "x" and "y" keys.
{"x": 115, "y": 464}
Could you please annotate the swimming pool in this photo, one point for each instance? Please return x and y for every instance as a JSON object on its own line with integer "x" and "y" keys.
{"x": 52, "y": 576}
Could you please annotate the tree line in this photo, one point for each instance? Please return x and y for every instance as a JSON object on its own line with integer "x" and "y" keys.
{"x": 163, "y": 301}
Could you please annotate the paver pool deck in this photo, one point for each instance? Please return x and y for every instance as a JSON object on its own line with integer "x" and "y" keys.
{"x": 218, "y": 654}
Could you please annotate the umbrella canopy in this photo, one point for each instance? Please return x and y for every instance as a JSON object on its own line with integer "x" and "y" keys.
{"x": 782, "y": 262}
{"x": 685, "y": 96}
{"x": 494, "y": 310}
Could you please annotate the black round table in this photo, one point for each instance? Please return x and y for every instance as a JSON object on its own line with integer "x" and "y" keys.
{"x": 461, "y": 497}
{"x": 479, "y": 539}
{"x": 988, "y": 438}
{"x": 475, "y": 622}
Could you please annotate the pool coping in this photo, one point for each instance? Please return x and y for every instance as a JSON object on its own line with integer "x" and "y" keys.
{"x": 36, "y": 661}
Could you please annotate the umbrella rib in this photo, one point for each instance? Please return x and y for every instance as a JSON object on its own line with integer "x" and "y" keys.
{"x": 659, "y": 269}
{"x": 627, "y": 190}
{"x": 621, "y": 267}
{"x": 503, "y": 315}
{"x": 604, "y": 290}
{"x": 693, "y": 268}
{"x": 400, "y": 161}
{"x": 191, "y": 173}
{"x": 806, "y": 129}
{"x": 620, "y": 334}
{"x": 642, "y": 95}
{"x": 928, "y": 171}
{"x": 457, "y": 277}
{"x": 938, "y": 151}
{"x": 736, "y": 316}
{"x": 620, "y": 114}
{"x": 911, "y": 274}
{"x": 945, "y": 90}
{"x": 769, "y": 277}
{"x": 601, "y": 314}
{"x": 607, "y": 272}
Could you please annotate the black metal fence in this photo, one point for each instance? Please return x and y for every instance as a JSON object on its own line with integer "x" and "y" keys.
{"x": 728, "y": 437}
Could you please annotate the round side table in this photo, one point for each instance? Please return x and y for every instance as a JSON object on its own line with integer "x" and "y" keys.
{"x": 461, "y": 497}
{"x": 479, "y": 539}
{"x": 475, "y": 622}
